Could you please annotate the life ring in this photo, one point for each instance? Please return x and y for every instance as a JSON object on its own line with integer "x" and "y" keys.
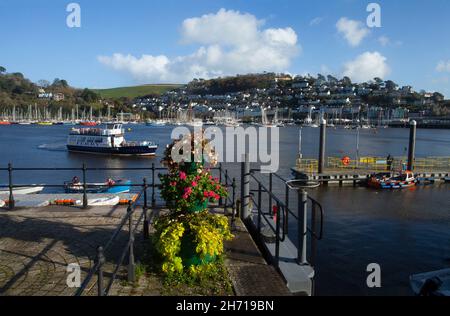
{"x": 346, "y": 161}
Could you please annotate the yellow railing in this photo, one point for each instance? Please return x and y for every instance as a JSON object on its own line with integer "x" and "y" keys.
{"x": 375, "y": 164}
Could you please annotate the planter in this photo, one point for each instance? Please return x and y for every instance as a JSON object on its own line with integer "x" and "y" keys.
{"x": 200, "y": 206}
{"x": 189, "y": 254}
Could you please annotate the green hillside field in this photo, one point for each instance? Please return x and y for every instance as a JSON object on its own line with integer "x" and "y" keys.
{"x": 136, "y": 91}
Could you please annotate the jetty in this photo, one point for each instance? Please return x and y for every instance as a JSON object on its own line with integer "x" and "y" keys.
{"x": 347, "y": 171}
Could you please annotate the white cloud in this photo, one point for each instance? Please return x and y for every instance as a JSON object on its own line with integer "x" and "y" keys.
{"x": 230, "y": 42}
{"x": 353, "y": 31}
{"x": 316, "y": 21}
{"x": 366, "y": 67}
{"x": 384, "y": 40}
{"x": 443, "y": 66}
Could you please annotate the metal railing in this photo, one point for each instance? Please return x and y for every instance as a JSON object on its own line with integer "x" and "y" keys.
{"x": 280, "y": 212}
{"x": 98, "y": 268}
{"x": 153, "y": 185}
{"x": 375, "y": 164}
{"x": 132, "y": 205}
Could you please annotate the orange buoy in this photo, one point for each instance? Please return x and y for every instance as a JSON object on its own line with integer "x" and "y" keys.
{"x": 346, "y": 161}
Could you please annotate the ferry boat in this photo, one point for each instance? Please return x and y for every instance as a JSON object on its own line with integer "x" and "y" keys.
{"x": 386, "y": 181}
{"x": 109, "y": 140}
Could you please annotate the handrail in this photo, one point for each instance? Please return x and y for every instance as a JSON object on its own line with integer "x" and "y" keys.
{"x": 284, "y": 210}
{"x": 97, "y": 268}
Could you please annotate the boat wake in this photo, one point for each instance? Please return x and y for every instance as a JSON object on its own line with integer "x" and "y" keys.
{"x": 53, "y": 147}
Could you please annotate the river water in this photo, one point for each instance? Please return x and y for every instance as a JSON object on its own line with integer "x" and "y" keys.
{"x": 405, "y": 232}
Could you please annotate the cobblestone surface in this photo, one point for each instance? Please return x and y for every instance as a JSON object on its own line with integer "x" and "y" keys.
{"x": 37, "y": 245}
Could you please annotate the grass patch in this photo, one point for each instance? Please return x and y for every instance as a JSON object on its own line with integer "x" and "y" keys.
{"x": 136, "y": 91}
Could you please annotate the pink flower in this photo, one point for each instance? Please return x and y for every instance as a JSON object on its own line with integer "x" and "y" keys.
{"x": 210, "y": 177}
{"x": 217, "y": 187}
{"x": 194, "y": 184}
{"x": 188, "y": 190}
{"x": 206, "y": 194}
{"x": 174, "y": 184}
{"x": 211, "y": 194}
{"x": 182, "y": 175}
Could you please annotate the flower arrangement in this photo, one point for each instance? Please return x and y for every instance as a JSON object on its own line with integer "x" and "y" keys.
{"x": 190, "y": 238}
{"x": 189, "y": 192}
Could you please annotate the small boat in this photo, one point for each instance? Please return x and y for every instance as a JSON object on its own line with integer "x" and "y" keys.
{"x": 88, "y": 123}
{"x": 104, "y": 201}
{"x": 45, "y": 123}
{"x": 387, "y": 181}
{"x": 2, "y": 203}
{"x": 22, "y": 190}
{"x": 5, "y": 123}
{"x": 109, "y": 186}
{"x": 435, "y": 283}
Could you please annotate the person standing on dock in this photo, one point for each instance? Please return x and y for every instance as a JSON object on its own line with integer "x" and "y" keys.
{"x": 390, "y": 162}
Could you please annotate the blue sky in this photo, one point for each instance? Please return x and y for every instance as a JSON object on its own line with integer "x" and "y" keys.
{"x": 128, "y": 42}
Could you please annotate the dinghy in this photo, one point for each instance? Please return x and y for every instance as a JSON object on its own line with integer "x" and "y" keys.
{"x": 436, "y": 283}
{"x": 109, "y": 186}
{"x": 2, "y": 203}
{"x": 104, "y": 201}
{"x": 22, "y": 190}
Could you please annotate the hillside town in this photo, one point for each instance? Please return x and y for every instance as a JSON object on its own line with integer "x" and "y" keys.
{"x": 300, "y": 98}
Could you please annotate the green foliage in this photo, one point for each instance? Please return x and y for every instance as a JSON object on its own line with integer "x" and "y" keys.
{"x": 207, "y": 230}
{"x": 137, "y": 91}
{"x": 231, "y": 84}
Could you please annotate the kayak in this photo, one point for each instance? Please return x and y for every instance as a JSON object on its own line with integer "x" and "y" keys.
{"x": 22, "y": 190}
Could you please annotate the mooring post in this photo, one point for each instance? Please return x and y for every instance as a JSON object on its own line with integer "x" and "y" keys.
{"x": 412, "y": 145}
{"x": 245, "y": 187}
{"x": 302, "y": 226}
{"x": 85, "y": 199}
{"x": 11, "y": 202}
{"x": 322, "y": 144}
{"x": 234, "y": 200}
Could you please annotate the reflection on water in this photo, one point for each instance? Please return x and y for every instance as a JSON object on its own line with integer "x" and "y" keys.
{"x": 405, "y": 232}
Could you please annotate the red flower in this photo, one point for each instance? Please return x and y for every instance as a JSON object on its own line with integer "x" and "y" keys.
{"x": 194, "y": 184}
{"x": 182, "y": 175}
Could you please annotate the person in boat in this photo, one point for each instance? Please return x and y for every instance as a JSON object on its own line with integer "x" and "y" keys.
{"x": 75, "y": 180}
{"x": 110, "y": 182}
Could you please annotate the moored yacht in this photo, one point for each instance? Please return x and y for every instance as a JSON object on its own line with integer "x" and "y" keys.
{"x": 109, "y": 140}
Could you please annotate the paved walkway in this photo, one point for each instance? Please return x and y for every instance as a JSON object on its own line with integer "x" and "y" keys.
{"x": 36, "y": 246}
